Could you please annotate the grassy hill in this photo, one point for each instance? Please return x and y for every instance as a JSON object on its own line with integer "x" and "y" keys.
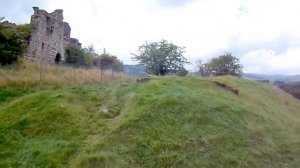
{"x": 167, "y": 122}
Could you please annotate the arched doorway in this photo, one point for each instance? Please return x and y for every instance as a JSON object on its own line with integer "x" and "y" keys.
{"x": 57, "y": 58}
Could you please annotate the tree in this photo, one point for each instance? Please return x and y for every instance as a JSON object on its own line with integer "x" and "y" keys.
{"x": 226, "y": 64}
{"x": 161, "y": 58}
{"x": 118, "y": 66}
{"x": 90, "y": 50}
{"x": 203, "y": 68}
{"x": 13, "y": 39}
{"x": 104, "y": 61}
{"x": 107, "y": 61}
{"x": 76, "y": 56}
{"x": 182, "y": 72}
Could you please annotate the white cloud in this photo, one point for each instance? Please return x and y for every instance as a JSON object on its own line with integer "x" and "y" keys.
{"x": 205, "y": 28}
{"x": 270, "y": 62}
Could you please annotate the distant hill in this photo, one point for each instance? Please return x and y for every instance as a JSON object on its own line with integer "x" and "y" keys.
{"x": 288, "y": 83}
{"x": 136, "y": 70}
{"x": 271, "y": 77}
{"x": 291, "y": 87}
{"x": 166, "y": 122}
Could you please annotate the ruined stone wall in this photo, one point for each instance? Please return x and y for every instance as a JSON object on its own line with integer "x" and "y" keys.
{"x": 50, "y": 35}
{"x": 75, "y": 42}
{"x": 67, "y": 32}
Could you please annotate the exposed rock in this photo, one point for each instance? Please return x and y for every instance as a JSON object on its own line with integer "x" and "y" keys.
{"x": 142, "y": 80}
{"x": 226, "y": 87}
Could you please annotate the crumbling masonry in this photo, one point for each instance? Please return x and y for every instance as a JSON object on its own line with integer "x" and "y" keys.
{"x": 49, "y": 37}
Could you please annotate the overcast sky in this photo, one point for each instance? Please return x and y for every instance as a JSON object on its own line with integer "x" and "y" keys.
{"x": 263, "y": 34}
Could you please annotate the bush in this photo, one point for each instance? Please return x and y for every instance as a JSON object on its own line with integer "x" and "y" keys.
{"x": 13, "y": 41}
{"x": 77, "y": 57}
{"x": 182, "y": 72}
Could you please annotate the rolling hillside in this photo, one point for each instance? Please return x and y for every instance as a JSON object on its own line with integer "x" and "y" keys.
{"x": 167, "y": 122}
{"x": 271, "y": 77}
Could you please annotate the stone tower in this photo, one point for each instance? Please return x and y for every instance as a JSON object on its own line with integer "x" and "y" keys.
{"x": 49, "y": 37}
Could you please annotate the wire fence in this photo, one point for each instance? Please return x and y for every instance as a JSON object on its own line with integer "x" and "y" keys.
{"x": 34, "y": 73}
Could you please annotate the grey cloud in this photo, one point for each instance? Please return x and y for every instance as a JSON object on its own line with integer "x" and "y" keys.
{"x": 18, "y": 11}
{"x": 279, "y": 45}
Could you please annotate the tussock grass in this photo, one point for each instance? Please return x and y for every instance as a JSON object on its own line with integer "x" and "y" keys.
{"x": 191, "y": 122}
{"x": 45, "y": 128}
{"x": 28, "y": 73}
{"x": 166, "y": 122}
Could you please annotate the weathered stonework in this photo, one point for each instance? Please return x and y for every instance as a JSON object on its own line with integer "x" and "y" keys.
{"x": 75, "y": 41}
{"x": 50, "y": 35}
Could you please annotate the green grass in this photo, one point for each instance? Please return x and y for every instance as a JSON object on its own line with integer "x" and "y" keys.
{"x": 167, "y": 122}
{"x": 32, "y": 74}
{"x": 45, "y": 127}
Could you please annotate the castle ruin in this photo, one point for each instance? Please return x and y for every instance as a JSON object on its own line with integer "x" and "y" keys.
{"x": 49, "y": 37}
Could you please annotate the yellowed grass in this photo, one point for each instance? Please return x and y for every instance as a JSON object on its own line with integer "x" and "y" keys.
{"x": 32, "y": 74}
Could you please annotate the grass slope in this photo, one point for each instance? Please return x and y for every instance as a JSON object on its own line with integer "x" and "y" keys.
{"x": 167, "y": 122}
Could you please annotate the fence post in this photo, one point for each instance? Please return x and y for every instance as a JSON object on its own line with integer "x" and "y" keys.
{"x": 41, "y": 69}
{"x": 74, "y": 74}
{"x": 120, "y": 78}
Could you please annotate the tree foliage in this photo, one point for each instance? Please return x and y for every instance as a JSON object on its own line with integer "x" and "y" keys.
{"x": 107, "y": 61}
{"x": 77, "y": 57}
{"x": 161, "y": 58}
{"x": 225, "y": 64}
{"x": 13, "y": 41}
{"x": 182, "y": 72}
{"x": 203, "y": 68}
{"x": 90, "y": 50}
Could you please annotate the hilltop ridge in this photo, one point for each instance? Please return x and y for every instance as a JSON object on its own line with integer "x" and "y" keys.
{"x": 166, "y": 122}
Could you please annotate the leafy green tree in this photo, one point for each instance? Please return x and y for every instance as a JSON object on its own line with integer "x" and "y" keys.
{"x": 161, "y": 58}
{"x": 104, "y": 61}
{"x": 13, "y": 41}
{"x": 76, "y": 56}
{"x": 226, "y": 64}
{"x": 107, "y": 61}
{"x": 90, "y": 50}
{"x": 118, "y": 65}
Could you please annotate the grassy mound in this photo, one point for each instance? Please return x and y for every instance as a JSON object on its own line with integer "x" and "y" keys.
{"x": 167, "y": 122}
{"x": 43, "y": 127}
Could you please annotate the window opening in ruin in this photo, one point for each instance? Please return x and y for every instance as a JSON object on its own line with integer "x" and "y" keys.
{"x": 42, "y": 46}
{"x": 48, "y": 23}
{"x": 57, "y": 58}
